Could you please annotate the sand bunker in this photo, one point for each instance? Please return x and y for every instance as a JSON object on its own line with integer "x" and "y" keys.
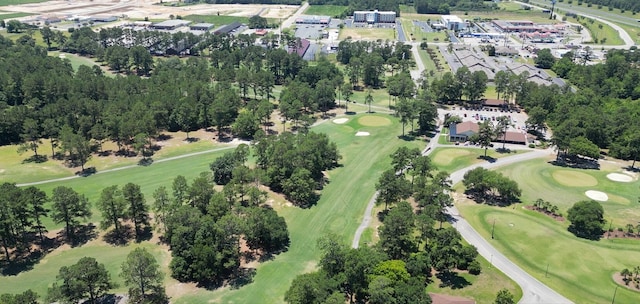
{"x": 597, "y": 195}
{"x": 362, "y": 134}
{"x": 617, "y": 177}
{"x": 340, "y": 120}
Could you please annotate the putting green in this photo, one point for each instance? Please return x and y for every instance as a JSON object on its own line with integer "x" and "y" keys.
{"x": 374, "y": 121}
{"x": 445, "y": 157}
{"x": 571, "y": 178}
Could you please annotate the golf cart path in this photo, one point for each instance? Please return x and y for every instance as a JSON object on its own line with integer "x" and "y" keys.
{"x": 533, "y": 291}
{"x": 231, "y": 146}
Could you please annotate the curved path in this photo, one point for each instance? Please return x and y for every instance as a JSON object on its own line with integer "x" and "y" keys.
{"x": 233, "y": 145}
{"x": 533, "y": 291}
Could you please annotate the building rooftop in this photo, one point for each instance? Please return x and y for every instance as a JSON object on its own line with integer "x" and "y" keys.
{"x": 170, "y": 23}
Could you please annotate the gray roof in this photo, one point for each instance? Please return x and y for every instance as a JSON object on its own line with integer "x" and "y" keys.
{"x": 202, "y": 25}
{"x": 175, "y": 22}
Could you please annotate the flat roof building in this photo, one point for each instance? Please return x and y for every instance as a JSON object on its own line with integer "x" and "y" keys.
{"x": 201, "y": 27}
{"x": 104, "y": 18}
{"x": 312, "y": 19}
{"x": 227, "y": 29}
{"x": 523, "y": 26}
{"x": 453, "y": 22}
{"x": 372, "y": 17}
{"x": 170, "y": 25}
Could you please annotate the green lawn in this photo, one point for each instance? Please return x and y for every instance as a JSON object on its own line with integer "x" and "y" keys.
{"x": 380, "y": 97}
{"x": 539, "y": 179}
{"x": 9, "y": 15}
{"x": 326, "y": 10}
{"x": 12, "y": 168}
{"x": 454, "y": 159}
{"x": 416, "y": 34}
{"x": 601, "y": 31}
{"x": 16, "y": 2}
{"x": 578, "y": 269}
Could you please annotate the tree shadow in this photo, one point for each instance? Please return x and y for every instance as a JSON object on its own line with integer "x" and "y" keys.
{"x": 145, "y": 161}
{"x": 452, "y": 279}
{"x": 350, "y": 113}
{"x": 487, "y": 158}
{"x": 632, "y": 169}
{"x": 24, "y": 261}
{"x": 576, "y": 163}
{"x": 105, "y": 153}
{"x": 120, "y": 237}
{"x": 126, "y": 153}
{"x": 87, "y": 172}
{"x": 144, "y": 235}
{"x": 83, "y": 234}
{"x": 407, "y": 137}
{"x": 504, "y": 151}
{"x": 382, "y": 214}
{"x": 108, "y": 299}
{"x": 163, "y": 137}
{"x": 242, "y": 277}
{"x": 37, "y": 159}
{"x": 192, "y": 139}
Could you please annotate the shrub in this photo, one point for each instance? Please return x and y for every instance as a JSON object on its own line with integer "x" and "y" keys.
{"x": 475, "y": 268}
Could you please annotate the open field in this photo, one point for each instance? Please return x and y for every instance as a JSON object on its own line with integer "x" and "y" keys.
{"x": 368, "y": 33}
{"x": 16, "y": 2}
{"x": 579, "y": 269}
{"x": 563, "y": 186}
{"x": 454, "y": 159}
{"x": 416, "y": 34}
{"x": 8, "y": 15}
{"x": 12, "y": 168}
{"x": 601, "y": 31}
{"x": 149, "y": 9}
{"x": 326, "y": 10}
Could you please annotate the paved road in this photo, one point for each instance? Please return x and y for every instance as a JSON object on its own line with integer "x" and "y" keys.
{"x": 292, "y": 19}
{"x": 598, "y": 15}
{"x": 401, "y": 36}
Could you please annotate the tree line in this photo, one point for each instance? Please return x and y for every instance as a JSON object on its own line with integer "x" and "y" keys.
{"x": 628, "y": 5}
{"x": 398, "y": 268}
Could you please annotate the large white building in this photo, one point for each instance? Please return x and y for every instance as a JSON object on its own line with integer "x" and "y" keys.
{"x": 453, "y": 22}
{"x": 372, "y": 17}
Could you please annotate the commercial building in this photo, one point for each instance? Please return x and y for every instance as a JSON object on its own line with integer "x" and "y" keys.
{"x": 453, "y": 22}
{"x": 228, "y": 29}
{"x": 204, "y": 27}
{"x": 104, "y": 18}
{"x": 373, "y": 17}
{"x": 170, "y": 25}
{"x": 307, "y": 19}
{"x": 523, "y": 26}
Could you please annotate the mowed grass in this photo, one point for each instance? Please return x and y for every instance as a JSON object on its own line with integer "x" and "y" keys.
{"x": 368, "y": 33}
{"x": 16, "y": 2}
{"x": 539, "y": 179}
{"x": 339, "y": 210}
{"x": 416, "y": 34}
{"x": 14, "y": 169}
{"x": 326, "y": 10}
{"x": 579, "y": 269}
{"x": 10, "y": 15}
{"x": 454, "y": 159}
{"x": 43, "y": 275}
{"x": 601, "y": 31}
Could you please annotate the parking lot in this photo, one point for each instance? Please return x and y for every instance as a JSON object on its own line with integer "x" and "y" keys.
{"x": 309, "y": 31}
{"x": 481, "y": 114}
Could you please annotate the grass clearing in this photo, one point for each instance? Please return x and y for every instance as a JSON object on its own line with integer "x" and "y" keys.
{"x": 326, "y": 10}
{"x": 454, "y": 159}
{"x": 381, "y": 97}
{"x": 416, "y": 34}
{"x": 536, "y": 179}
{"x": 578, "y": 269}
{"x": 368, "y": 33}
{"x": 11, "y": 15}
{"x": 601, "y": 33}
{"x": 17, "y": 2}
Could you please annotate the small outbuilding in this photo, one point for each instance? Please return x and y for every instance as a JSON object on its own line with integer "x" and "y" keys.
{"x": 462, "y": 131}
{"x": 202, "y": 27}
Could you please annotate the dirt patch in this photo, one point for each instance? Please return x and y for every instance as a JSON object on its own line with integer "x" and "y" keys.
{"x": 571, "y": 178}
{"x": 630, "y": 284}
{"x": 556, "y": 217}
{"x": 597, "y": 195}
{"x": 374, "y": 121}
